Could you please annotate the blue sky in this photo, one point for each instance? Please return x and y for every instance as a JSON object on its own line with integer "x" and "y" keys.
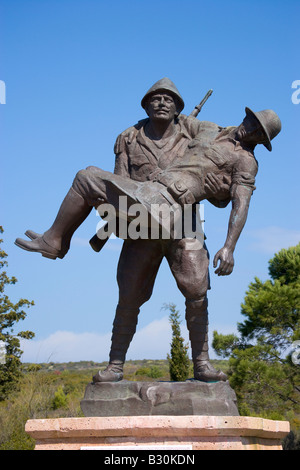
{"x": 75, "y": 72}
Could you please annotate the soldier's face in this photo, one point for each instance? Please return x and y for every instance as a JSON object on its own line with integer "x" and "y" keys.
{"x": 161, "y": 106}
{"x": 250, "y": 131}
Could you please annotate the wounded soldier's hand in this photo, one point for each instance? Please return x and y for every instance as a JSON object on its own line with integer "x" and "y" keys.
{"x": 217, "y": 186}
{"x": 225, "y": 256}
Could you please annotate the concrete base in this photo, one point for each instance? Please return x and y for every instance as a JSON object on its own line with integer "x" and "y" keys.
{"x": 165, "y": 432}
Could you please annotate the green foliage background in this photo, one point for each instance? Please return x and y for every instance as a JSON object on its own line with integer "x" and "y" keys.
{"x": 10, "y": 314}
{"x": 178, "y": 358}
{"x": 261, "y": 370}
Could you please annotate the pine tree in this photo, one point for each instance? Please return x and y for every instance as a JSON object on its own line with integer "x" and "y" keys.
{"x": 264, "y": 373}
{"x": 10, "y": 314}
{"x": 178, "y": 358}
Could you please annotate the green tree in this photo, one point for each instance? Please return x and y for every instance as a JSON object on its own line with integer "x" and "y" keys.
{"x": 10, "y": 314}
{"x": 262, "y": 372}
{"x": 178, "y": 359}
{"x": 60, "y": 399}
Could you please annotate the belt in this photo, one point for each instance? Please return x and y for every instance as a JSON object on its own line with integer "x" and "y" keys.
{"x": 177, "y": 189}
{"x": 181, "y": 193}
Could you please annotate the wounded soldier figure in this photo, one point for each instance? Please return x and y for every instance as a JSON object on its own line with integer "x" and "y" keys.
{"x": 188, "y": 180}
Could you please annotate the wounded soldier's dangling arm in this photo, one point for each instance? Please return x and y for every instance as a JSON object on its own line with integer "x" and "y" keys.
{"x": 241, "y": 196}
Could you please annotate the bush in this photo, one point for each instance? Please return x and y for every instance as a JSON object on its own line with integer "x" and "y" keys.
{"x": 154, "y": 372}
{"x": 291, "y": 441}
{"x": 60, "y": 400}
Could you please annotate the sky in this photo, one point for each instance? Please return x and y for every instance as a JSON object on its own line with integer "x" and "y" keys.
{"x": 74, "y": 73}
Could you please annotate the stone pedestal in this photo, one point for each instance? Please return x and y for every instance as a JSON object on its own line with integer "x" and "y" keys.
{"x": 159, "y": 398}
{"x": 158, "y": 416}
{"x": 158, "y": 432}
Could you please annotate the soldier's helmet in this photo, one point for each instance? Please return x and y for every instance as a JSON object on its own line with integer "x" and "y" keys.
{"x": 164, "y": 85}
{"x": 269, "y": 122}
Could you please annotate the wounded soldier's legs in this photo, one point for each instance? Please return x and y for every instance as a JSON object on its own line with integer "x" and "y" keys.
{"x": 54, "y": 242}
{"x": 90, "y": 188}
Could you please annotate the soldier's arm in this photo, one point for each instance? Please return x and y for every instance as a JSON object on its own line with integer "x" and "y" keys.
{"x": 219, "y": 187}
{"x": 200, "y": 129}
{"x": 121, "y": 149}
{"x": 241, "y": 191}
{"x": 121, "y": 160}
{"x": 240, "y": 205}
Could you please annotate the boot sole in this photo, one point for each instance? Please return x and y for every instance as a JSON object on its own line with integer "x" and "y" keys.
{"x": 112, "y": 379}
{"x": 207, "y": 379}
{"x": 45, "y": 254}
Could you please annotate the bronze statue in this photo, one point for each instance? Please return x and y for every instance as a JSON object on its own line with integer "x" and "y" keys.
{"x": 179, "y": 159}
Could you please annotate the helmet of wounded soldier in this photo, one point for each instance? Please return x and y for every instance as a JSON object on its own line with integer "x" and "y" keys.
{"x": 269, "y": 122}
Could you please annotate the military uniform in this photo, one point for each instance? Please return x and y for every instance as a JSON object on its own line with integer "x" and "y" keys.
{"x": 140, "y": 158}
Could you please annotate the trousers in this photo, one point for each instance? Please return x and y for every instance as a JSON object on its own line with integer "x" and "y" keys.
{"x": 137, "y": 270}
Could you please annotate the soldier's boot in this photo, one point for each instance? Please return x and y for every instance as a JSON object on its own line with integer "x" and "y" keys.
{"x": 55, "y": 242}
{"x": 197, "y": 323}
{"x": 66, "y": 241}
{"x": 123, "y": 330}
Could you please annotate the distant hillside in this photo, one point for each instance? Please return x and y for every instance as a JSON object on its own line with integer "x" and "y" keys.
{"x": 133, "y": 367}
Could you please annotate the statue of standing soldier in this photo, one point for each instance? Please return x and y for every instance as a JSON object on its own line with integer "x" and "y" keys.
{"x": 147, "y": 152}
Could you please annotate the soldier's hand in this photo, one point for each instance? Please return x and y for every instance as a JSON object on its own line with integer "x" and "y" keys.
{"x": 217, "y": 186}
{"x": 225, "y": 256}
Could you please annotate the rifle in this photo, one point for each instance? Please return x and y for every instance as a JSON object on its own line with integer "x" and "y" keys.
{"x": 98, "y": 243}
{"x": 198, "y": 108}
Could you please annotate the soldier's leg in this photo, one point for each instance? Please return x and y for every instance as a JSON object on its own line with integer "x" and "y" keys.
{"x": 137, "y": 270}
{"x": 66, "y": 239}
{"x": 90, "y": 188}
{"x": 54, "y": 243}
{"x": 190, "y": 269}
